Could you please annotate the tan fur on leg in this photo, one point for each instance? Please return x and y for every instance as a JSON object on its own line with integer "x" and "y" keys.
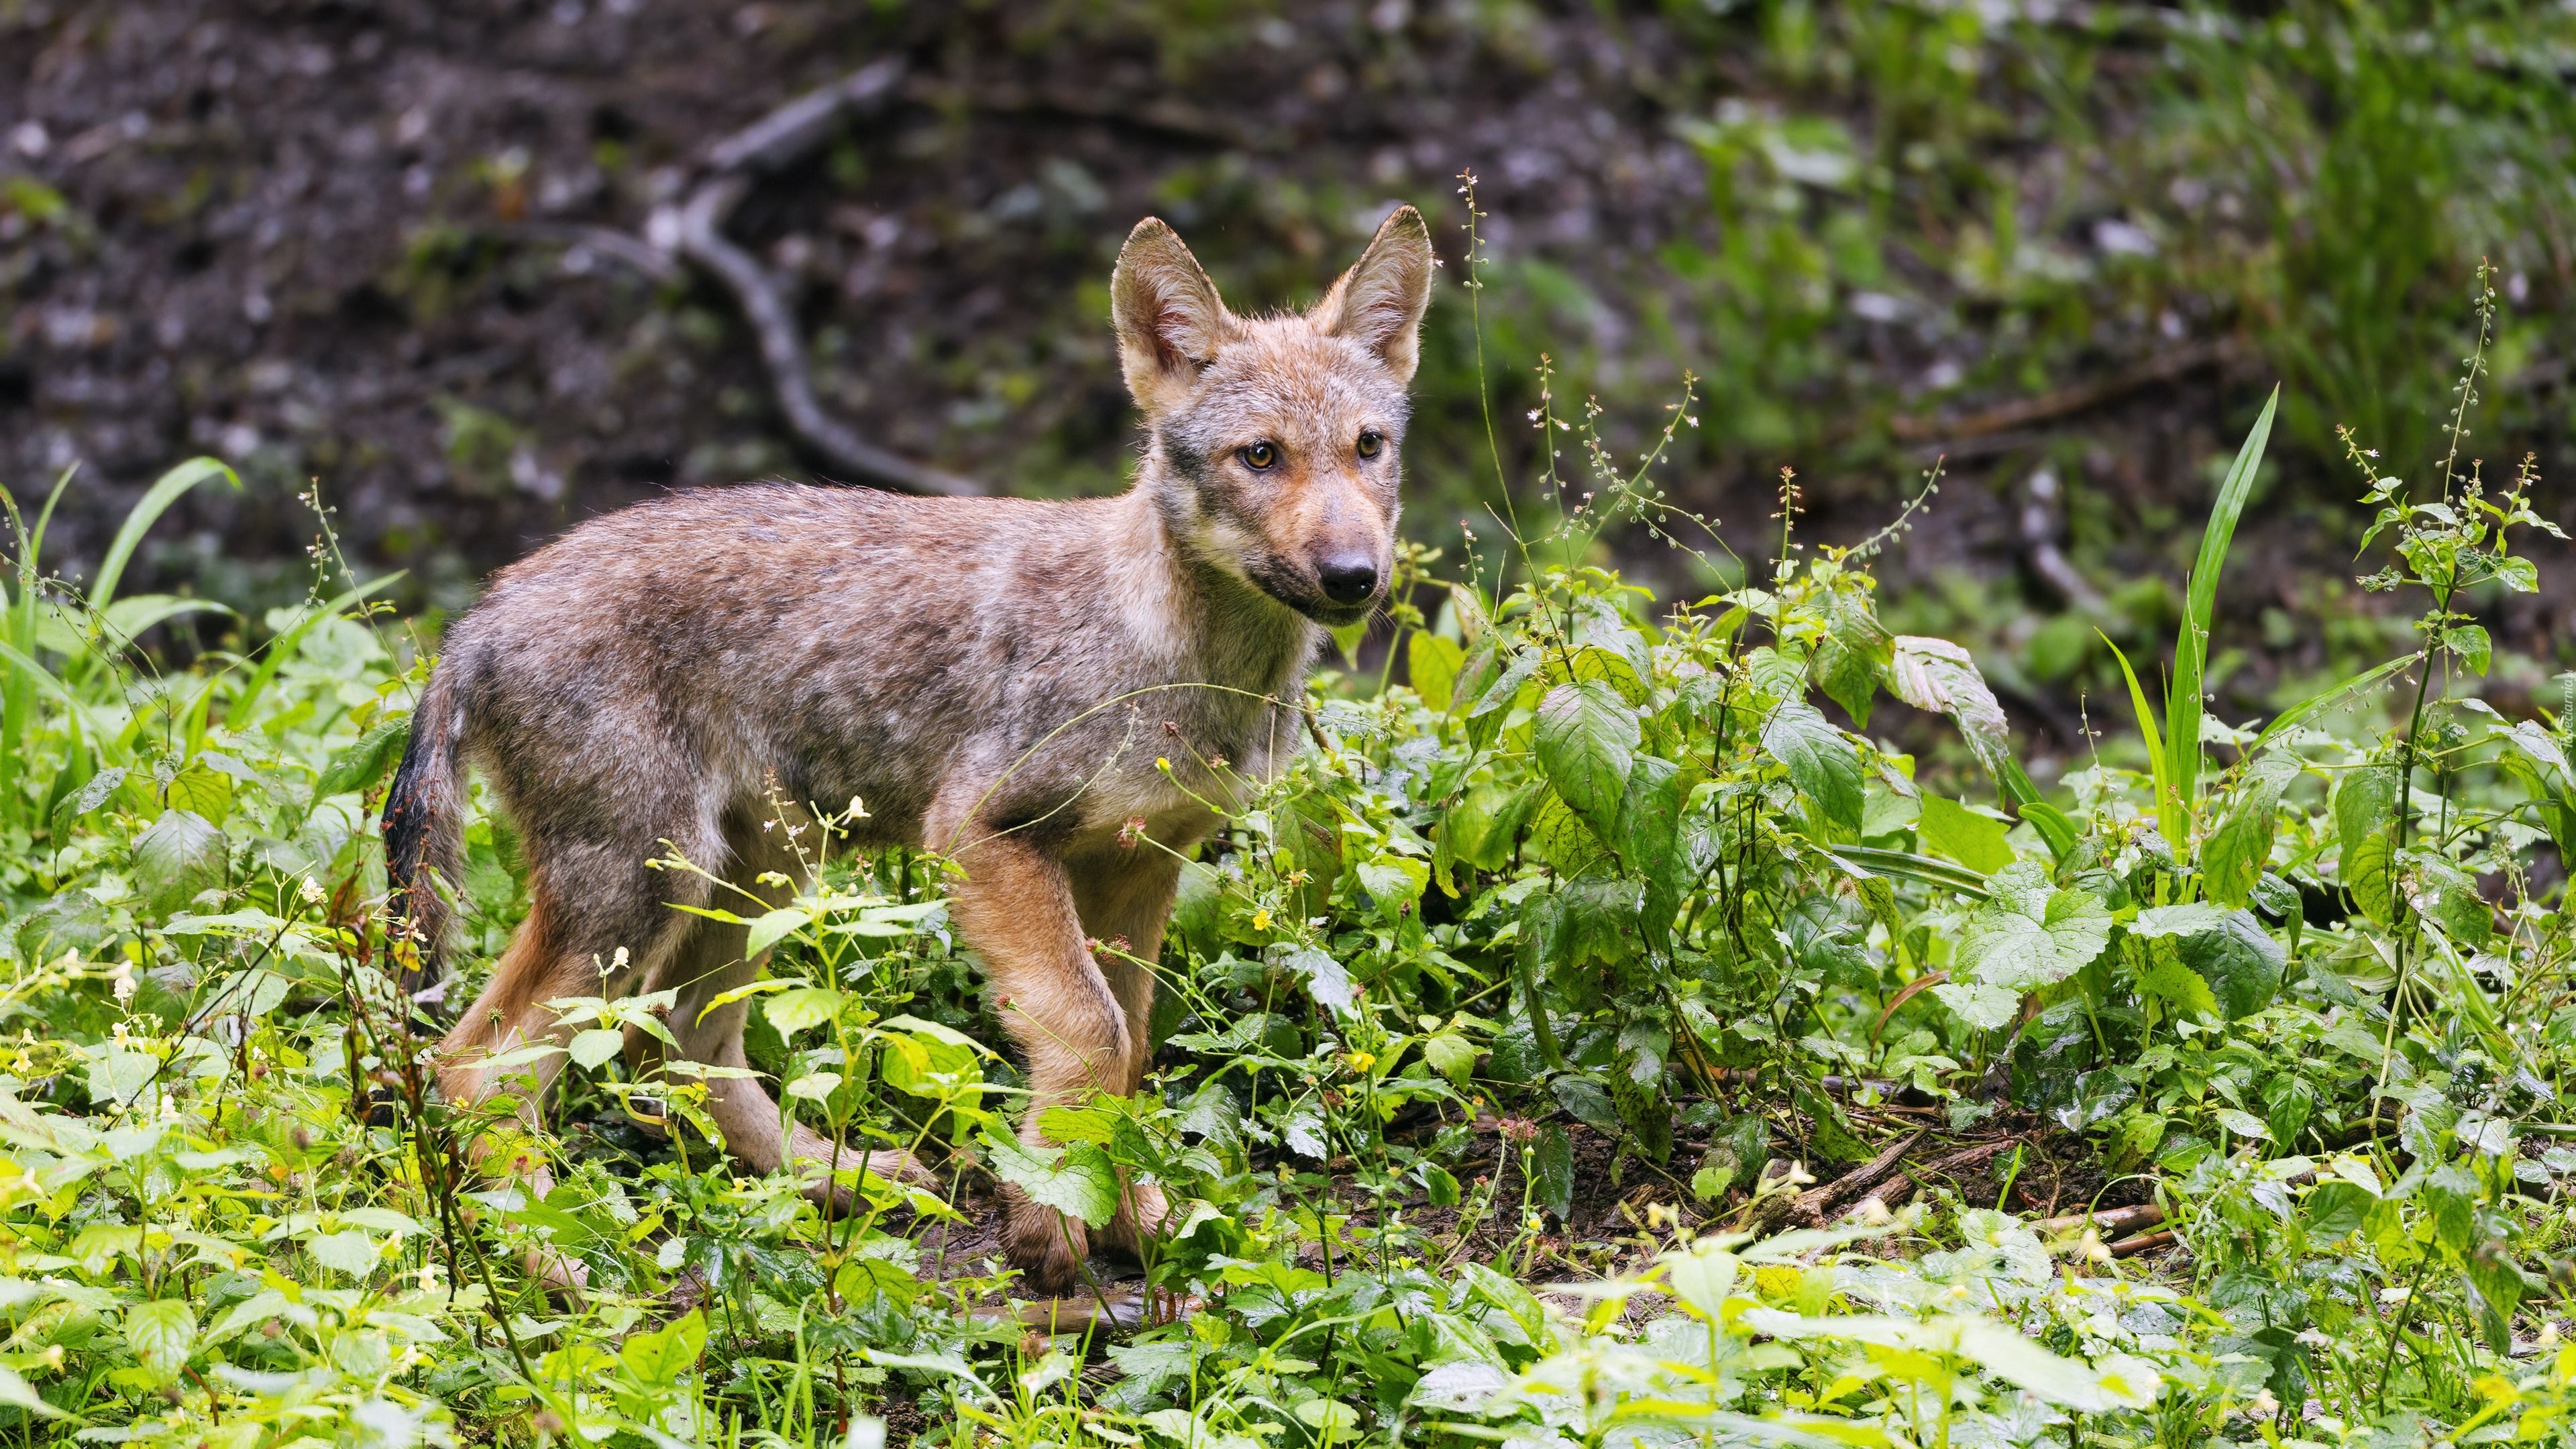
{"x": 1125, "y": 895}
{"x": 1016, "y": 905}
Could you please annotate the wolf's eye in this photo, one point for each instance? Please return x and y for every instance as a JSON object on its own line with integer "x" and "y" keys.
{"x": 1260, "y": 457}
{"x": 1370, "y": 442}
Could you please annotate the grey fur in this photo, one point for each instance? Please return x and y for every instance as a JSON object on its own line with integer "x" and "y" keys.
{"x": 995, "y": 679}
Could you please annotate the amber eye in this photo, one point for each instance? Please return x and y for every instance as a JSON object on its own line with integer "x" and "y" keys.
{"x": 1370, "y": 442}
{"x": 1260, "y": 457}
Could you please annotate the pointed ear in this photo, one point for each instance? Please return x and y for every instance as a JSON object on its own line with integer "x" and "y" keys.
{"x": 1170, "y": 320}
{"x": 1378, "y": 303}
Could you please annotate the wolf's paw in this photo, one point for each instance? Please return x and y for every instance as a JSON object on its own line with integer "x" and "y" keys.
{"x": 1143, "y": 1211}
{"x": 1045, "y": 1245}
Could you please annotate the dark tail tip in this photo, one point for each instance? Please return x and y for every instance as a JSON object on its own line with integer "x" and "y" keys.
{"x": 414, "y": 808}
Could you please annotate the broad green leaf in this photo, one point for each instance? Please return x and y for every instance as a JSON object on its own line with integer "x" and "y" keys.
{"x": 928, "y": 1060}
{"x": 1394, "y": 881}
{"x": 2002, "y": 1350}
{"x": 1586, "y": 740}
{"x": 660, "y": 1357}
{"x": 1948, "y": 828}
{"x": 1507, "y": 685}
{"x": 201, "y": 790}
{"x": 2240, "y": 961}
{"x": 1077, "y": 1180}
{"x": 593, "y": 1048}
{"x": 119, "y": 1075}
{"x": 1940, "y": 677}
{"x": 179, "y": 857}
{"x": 1469, "y": 609}
{"x": 1978, "y": 1004}
{"x": 94, "y": 794}
{"x": 162, "y": 1333}
{"x": 383, "y": 1220}
{"x": 2541, "y": 753}
{"x": 1561, "y": 838}
{"x": 2233, "y": 858}
{"x": 1480, "y": 828}
{"x": 1451, "y": 1055}
{"x": 2448, "y": 897}
{"x": 362, "y": 763}
{"x": 2365, "y": 804}
{"x": 815, "y": 1086}
{"x": 1601, "y": 630}
{"x": 2366, "y": 876}
{"x": 2188, "y": 919}
{"x": 2334, "y": 1209}
{"x": 1648, "y": 840}
{"x": 16, "y": 1391}
{"x": 1327, "y": 980}
{"x": 794, "y": 1010}
{"x": 1432, "y": 663}
{"x": 1348, "y": 638}
{"x": 2470, "y": 642}
{"x": 771, "y": 927}
{"x": 2496, "y": 1288}
{"x": 2031, "y": 934}
{"x": 1821, "y": 762}
{"x": 2243, "y": 1124}
{"x": 1854, "y": 655}
{"x": 348, "y": 1251}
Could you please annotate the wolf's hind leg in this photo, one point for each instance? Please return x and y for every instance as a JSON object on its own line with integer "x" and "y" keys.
{"x": 709, "y": 963}
{"x": 587, "y": 902}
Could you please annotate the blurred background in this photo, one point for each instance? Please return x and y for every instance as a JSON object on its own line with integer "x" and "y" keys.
{"x": 424, "y": 255}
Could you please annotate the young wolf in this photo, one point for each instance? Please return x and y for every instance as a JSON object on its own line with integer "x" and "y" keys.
{"x": 998, "y": 680}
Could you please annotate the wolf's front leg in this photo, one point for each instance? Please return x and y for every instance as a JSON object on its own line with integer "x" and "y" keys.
{"x": 1123, "y": 894}
{"x": 1015, "y": 906}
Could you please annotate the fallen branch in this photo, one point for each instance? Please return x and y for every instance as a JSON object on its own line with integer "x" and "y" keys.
{"x": 2021, "y": 413}
{"x": 2109, "y": 1221}
{"x": 1814, "y": 1203}
{"x": 769, "y": 144}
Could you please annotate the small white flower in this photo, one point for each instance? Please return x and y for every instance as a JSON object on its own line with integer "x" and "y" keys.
{"x": 123, "y": 984}
{"x": 312, "y": 892}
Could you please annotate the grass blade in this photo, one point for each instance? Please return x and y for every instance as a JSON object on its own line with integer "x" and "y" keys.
{"x": 1922, "y": 869}
{"x": 282, "y": 648}
{"x": 166, "y": 490}
{"x": 2329, "y": 695}
{"x": 2191, "y": 646}
{"x": 2168, "y": 809}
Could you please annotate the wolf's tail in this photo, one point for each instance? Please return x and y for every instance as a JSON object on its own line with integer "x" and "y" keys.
{"x": 424, "y": 834}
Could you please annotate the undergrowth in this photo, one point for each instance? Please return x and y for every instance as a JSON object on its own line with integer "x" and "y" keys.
{"x": 1574, "y": 1046}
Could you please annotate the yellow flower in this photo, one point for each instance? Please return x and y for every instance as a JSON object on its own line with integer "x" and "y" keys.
{"x": 1162, "y": 764}
{"x": 1362, "y": 1061}
{"x": 1261, "y": 920}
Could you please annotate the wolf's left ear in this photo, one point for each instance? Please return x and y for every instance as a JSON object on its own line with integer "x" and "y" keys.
{"x": 1378, "y": 303}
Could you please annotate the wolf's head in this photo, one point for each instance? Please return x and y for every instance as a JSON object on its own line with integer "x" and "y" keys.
{"x": 1276, "y": 437}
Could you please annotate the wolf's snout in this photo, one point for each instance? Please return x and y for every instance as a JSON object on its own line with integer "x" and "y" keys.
{"x": 1347, "y": 578}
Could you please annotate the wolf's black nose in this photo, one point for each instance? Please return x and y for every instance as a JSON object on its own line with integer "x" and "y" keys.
{"x": 1348, "y": 579}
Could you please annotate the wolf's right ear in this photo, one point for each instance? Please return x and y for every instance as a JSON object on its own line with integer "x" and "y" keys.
{"x": 1169, "y": 317}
